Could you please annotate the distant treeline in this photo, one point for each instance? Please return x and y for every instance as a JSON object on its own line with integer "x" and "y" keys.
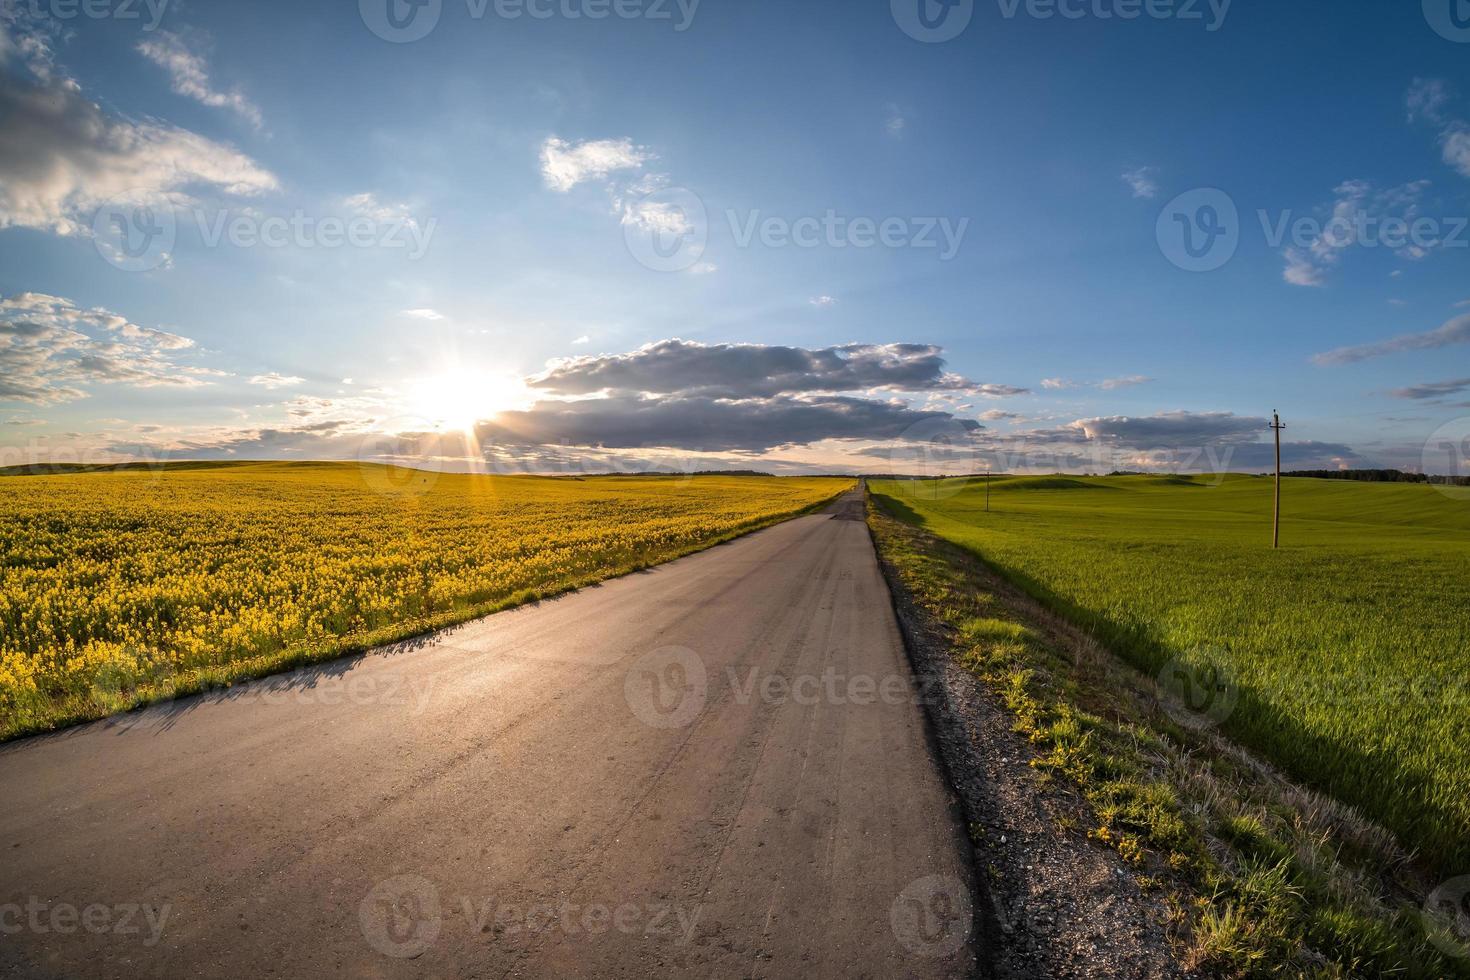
{"x": 1382, "y": 476}
{"x": 674, "y": 472}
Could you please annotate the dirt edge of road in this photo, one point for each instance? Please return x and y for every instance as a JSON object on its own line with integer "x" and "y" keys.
{"x": 1051, "y": 903}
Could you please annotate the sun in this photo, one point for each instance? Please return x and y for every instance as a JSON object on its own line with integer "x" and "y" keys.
{"x": 459, "y": 398}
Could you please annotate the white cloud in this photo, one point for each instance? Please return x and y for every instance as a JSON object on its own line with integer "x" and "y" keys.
{"x": 50, "y": 348}
{"x": 1426, "y": 99}
{"x": 703, "y": 268}
{"x": 1112, "y": 384}
{"x": 823, "y": 301}
{"x": 424, "y": 313}
{"x": 1108, "y": 384}
{"x": 25, "y": 38}
{"x": 658, "y": 217}
{"x": 1456, "y": 144}
{"x": 584, "y": 339}
{"x": 1143, "y": 181}
{"x": 272, "y": 380}
{"x": 564, "y": 165}
{"x": 617, "y": 165}
{"x": 1356, "y": 206}
{"x": 190, "y": 75}
{"x": 390, "y": 214}
{"x": 1456, "y": 331}
{"x": 63, "y": 157}
{"x": 895, "y": 123}
{"x": 1301, "y": 270}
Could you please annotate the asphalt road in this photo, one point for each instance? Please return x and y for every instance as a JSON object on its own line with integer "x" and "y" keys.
{"x": 713, "y": 768}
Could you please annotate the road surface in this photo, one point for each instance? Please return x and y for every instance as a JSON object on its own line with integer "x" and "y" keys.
{"x": 713, "y": 768}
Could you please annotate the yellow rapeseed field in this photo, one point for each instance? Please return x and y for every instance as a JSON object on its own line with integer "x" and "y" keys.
{"x": 122, "y": 587}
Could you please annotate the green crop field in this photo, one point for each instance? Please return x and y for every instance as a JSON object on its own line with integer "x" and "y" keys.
{"x": 1348, "y": 650}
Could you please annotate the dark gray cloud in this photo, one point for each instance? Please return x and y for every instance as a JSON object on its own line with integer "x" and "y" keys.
{"x": 759, "y": 371}
{"x": 1433, "y": 389}
{"x": 1456, "y": 331}
{"x": 1173, "y": 429}
{"x": 705, "y": 424}
{"x": 667, "y": 435}
{"x": 671, "y": 397}
{"x": 1191, "y": 442}
{"x": 1015, "y": 455}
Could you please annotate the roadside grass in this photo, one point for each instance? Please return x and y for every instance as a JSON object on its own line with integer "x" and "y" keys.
{"x": 1347, "y": 652}
{"x": 120, "y": 588}
{"x": 1263, "y": 878}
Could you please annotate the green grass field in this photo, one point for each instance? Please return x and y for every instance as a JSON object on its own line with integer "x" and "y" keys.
{"x": 1348, "y": 649}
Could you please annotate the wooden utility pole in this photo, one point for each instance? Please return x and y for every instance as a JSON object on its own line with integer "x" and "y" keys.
{"x": 987, "y": 489}
{"x": 1276, "y": 523}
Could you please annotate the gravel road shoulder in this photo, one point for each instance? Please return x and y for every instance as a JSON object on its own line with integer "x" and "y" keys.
{"x": 1056, "y": 904}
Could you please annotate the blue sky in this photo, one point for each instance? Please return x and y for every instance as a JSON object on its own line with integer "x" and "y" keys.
{"x": 506, "y": 174}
